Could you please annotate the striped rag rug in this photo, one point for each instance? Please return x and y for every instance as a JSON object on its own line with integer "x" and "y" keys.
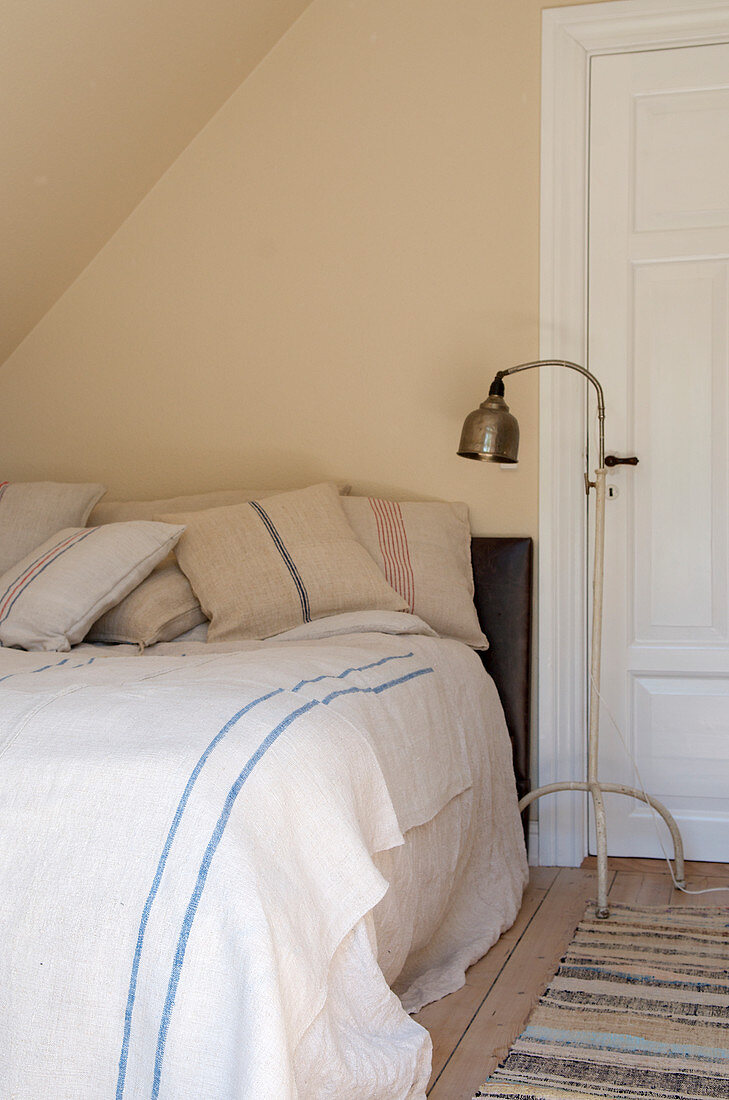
{"x": 638, "y": 1008}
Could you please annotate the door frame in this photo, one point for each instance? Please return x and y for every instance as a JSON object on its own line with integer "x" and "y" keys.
{"x": 571, "y": 37}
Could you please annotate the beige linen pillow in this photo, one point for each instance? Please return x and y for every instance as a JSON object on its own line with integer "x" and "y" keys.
{"x": 32, "y": 511}
{"x": 263, "y": 567}
{"x": 115, "y": 511}
{"x": 159, "y": 609}
{"x": 118, "y": 511}
{"x": 50, "y": 598}
{"x": 424, "y": 550}
{"x": 164, "y": 605}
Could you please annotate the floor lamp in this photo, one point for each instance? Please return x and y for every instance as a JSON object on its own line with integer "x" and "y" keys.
{"x": 491, "y": 433}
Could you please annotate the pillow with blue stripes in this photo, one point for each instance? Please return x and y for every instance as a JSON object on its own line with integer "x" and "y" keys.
{"x": 265, "y": 566}
{"x": 50, "y": 599}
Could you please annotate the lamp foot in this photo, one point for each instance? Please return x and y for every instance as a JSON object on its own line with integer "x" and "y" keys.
{"x": 641, "y": 796}
{"x": 596, "y": 789}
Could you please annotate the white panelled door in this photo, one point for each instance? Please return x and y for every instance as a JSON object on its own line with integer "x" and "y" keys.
{"x": 659, "y": 342}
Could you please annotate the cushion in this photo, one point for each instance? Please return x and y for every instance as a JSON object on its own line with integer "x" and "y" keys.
{"x": 117, "y": 511}
{"x": 164, "y": 606}
{"x": 114, "y": 511}
{"x": 50, "y": 598}
{"x": 32, "y": 511}
{"x": 264, "y": 567}
{"x": 158, "y": 610}
{"x": 424, "y": 551}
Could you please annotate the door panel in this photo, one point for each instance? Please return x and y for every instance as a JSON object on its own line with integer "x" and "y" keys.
{"x": 659, "y": 342}
{"x": 688, "y": 190}
{"x": 679, "y": 387}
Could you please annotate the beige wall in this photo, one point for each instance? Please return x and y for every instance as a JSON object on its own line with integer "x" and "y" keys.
{"x": 324, "y": 281}
{"x": 98, "y": 101}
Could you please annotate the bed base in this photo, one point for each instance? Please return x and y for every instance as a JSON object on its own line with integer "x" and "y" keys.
{"x": 502, "y": 577}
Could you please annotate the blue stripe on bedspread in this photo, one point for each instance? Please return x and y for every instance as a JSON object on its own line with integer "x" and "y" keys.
{"x": 217, "y": 835}
{"x": 44, "y": 668}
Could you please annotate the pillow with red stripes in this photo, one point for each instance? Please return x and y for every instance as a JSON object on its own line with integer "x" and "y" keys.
{"x": 424, "y": 550}
{"x": 50, "y": 599}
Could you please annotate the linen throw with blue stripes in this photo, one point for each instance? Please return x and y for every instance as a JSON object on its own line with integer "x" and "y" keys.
{"x": 194, "y": 846}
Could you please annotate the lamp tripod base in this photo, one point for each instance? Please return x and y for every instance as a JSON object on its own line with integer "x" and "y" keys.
{"x": 596, "y": 790}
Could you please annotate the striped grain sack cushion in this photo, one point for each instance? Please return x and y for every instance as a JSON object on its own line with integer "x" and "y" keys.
{"x": 33, "y": 511}
{"x": 424, "y": 550}
{"x": 50, "y": 598}
{"x": 266, "y": 566}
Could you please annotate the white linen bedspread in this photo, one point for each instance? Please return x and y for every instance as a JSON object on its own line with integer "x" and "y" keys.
{"x": 193, "y": 848}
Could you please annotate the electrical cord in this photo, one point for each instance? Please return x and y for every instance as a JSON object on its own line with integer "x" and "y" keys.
{"x": 654, "y": 814}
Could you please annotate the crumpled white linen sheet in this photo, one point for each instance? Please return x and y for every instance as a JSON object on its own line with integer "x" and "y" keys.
{"x": 196, "y": 853}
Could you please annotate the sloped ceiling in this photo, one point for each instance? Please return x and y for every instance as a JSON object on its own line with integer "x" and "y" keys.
{"x": 98, "y": 99}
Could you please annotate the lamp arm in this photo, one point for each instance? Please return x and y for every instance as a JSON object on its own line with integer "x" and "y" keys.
{"x": 581, "y": 370}
{"x": 593, "y": 784}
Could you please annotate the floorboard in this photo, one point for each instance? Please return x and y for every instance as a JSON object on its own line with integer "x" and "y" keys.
{"x": 473, "y": 1028}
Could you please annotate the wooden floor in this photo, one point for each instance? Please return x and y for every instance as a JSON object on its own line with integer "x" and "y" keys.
{"x": 473, "y": 1028}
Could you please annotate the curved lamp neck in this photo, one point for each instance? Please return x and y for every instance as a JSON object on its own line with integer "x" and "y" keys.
{"x": 581, "y": 370}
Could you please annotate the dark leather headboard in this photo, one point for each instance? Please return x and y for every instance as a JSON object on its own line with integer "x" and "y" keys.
{"x": 502, "y": 577}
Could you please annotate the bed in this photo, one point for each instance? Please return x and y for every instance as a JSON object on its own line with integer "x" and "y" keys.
{"x": 232, "y": 868}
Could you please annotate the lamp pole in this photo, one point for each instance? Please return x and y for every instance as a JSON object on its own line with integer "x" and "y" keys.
{"x": 492, "y": 433}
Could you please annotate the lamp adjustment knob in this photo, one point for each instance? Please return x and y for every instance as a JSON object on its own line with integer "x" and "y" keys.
{"x": 613, "y": 460}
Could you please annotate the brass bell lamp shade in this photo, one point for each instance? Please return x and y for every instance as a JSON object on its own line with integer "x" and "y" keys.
{"x": 490, "y": 433}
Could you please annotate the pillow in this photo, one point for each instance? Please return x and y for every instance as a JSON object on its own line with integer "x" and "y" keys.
{"x": 164, "y": 605}
{"x": 117, "y": 511}
{"x": 50, "y": 598}
{"x": 424, "y": 550}
{"x": 32, "y": 511}
{"x": 263, "y": 567}
{"x": 114, "y": 511}
{"x": 158, "y": 610}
